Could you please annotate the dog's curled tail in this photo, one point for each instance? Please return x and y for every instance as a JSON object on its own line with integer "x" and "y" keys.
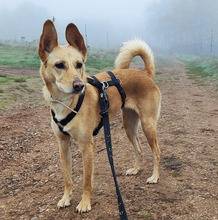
{"x": 131, "y": 49}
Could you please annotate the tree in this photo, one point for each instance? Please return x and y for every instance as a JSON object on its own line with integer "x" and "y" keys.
{"x": 184, "y": 25}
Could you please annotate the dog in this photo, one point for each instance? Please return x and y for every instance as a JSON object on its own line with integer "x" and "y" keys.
{"x": 63, "y": 72}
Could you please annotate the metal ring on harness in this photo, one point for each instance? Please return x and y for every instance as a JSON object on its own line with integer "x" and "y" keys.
{"x": 105, "y": 85}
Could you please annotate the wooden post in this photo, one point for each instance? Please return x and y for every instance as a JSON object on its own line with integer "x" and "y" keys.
{"x": 211, "y": 43}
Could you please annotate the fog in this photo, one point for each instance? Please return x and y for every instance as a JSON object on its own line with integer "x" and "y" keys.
{"x": 168, "y": 26}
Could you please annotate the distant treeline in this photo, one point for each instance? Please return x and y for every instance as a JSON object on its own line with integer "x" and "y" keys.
{"x": 184, "y": 26}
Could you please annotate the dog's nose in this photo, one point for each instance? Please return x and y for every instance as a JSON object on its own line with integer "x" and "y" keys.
{"x": 78, "y": 85}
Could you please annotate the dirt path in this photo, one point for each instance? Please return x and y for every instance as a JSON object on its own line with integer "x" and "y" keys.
{"x": 31, "y": 181}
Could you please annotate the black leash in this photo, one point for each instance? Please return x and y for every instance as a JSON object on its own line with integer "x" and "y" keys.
{"x": 107, "y": 136}
{"x": 104, "y": 104}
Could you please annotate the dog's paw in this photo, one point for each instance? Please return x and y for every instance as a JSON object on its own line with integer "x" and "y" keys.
{"x": 64, "y": 202}
{"x": 132, "y": 171}
{"x": 84, "y": 206}
{"x": 152, "y": 179}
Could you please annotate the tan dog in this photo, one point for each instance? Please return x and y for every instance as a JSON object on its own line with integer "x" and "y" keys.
{"x": 63, "y": 72}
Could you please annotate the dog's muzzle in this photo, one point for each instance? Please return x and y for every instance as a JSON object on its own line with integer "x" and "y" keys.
{"x": 78, "y": 86}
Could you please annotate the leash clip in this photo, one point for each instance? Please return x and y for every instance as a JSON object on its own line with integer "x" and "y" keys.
{"x": 105, "y": 85}
{"x": 104, "y": 103}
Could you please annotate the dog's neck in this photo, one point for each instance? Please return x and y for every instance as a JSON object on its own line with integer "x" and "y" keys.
{"x": 60, "y": 102}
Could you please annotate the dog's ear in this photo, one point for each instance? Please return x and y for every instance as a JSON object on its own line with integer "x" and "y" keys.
{"x": 75, "y": 39}
{"x": 48, "y": 40}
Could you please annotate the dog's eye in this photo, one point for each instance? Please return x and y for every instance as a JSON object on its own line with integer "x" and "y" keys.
{"x": 60, "y": 65}
{"x": 79, "y": 65}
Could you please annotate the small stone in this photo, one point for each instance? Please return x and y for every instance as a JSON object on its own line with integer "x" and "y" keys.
{"x": 99, "y": 192}
{"x": 35, "y": 218}
{"x": 36, "y": 179}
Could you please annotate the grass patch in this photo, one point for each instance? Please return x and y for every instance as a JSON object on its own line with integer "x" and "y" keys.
{"x": 5, "y": 80}
{"x": 144, "y": 214}
{"x": 21, "y": 79}
{"x": 200, "y": 66}
{"x": 98, "y": 60}
{"x": 17, "y": 90}
{"x": 19, "y": 54}
{"x": 200, "y": 82}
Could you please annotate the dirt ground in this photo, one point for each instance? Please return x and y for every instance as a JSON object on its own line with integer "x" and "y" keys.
{"x": 31, "y": 181}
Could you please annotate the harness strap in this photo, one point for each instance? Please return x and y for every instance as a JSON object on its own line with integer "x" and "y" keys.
{"x": 114, "y": 82}
{"x": 70, "y": 116}
{"x": 100, "y": 125}
{"x": 56, "y": 121}
{"x": 119, "y": 87}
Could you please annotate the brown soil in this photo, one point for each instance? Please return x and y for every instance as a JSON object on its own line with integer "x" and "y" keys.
{"x": 31, "y": 181}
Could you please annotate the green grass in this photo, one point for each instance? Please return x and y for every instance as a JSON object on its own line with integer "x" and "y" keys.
{"x": 200, "y": 66}
{"x": 14, "y": 90}
{"x": 98, "y": 60}
{"x": 19, "y": 55}
{"x": 20, "y": 79}
{"x": 144, "y": 214}
{"x": 5, "y": 80}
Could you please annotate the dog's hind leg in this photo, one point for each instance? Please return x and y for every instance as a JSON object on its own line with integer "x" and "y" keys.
{"x": 149, "y": 127}
{"x": 66, "y": 160}
{"x": 130, "y": 122}
{"x": 88, "y": 164}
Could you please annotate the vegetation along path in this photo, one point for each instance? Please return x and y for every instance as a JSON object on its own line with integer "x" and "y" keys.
{"x": 31, "y": 182}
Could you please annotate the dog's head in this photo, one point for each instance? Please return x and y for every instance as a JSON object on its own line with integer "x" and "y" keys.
{"x": 63, "y": 66}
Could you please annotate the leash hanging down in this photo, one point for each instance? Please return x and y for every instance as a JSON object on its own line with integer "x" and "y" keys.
{"x": 104, "y": 104}
{"x": 107, "y": 136}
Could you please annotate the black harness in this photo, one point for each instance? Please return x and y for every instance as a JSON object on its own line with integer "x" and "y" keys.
{"x": 104, "y": 104}
{"x": 69, "y": 117}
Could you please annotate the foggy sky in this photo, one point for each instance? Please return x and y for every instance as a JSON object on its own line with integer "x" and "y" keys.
{"x": 107, "y": 22}
{"x": 168, "y": 26}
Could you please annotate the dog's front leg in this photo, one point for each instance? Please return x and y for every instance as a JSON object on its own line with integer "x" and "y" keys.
{"x": 88, "y": 163}
{"x": 66, "y": 160}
